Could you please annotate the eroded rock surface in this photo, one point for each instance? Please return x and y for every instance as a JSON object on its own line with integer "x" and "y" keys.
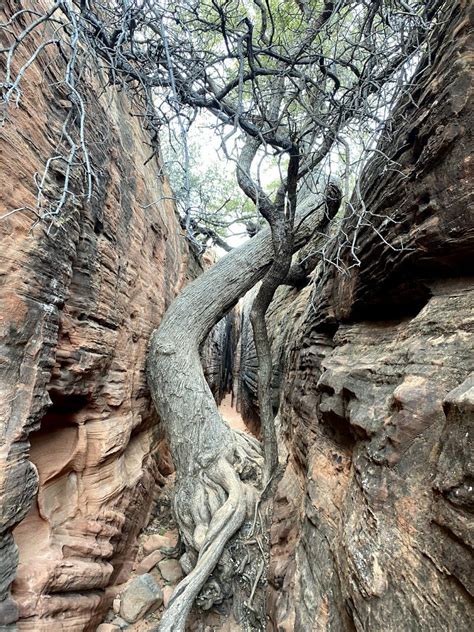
{"x": 218, "y": 353}
{"x": 373, "y": 518}
{"x": 77, "y": 308}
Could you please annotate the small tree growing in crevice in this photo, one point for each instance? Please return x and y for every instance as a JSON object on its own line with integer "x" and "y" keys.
{"x": 304, "y": 85}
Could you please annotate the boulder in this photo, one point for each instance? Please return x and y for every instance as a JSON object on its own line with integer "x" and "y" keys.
{"x": 167, "y": 592}
{"x": 149, "y": 562}
{"x": 156, "y": 541}
{"x": 141, "y": 595}
{"x": 171, "y": 570}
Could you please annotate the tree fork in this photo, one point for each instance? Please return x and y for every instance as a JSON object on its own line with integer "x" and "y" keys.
{"x": 218, "y": 470}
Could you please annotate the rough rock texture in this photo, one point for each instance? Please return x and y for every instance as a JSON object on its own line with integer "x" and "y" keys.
{"x": 218, "y": 353}
{"x": 373, "y": 519}
{"x": 107, "y": 627}
{"x": 140, "y": 596}
{"x": 171, "y": 570}
{"x": 77, "y": 309}
{"x": 282, "y": 315}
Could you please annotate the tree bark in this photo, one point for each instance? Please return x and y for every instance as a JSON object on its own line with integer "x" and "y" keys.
{"x": 218, "y": 470}
{"x": 281, "y": 218}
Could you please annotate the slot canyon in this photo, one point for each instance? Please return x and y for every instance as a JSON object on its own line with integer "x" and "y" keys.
{"x": 372, "y": 381}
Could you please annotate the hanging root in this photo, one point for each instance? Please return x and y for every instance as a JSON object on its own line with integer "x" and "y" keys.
{"x": 211, "y": 506}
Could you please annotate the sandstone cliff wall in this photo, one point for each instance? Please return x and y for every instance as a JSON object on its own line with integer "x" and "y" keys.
{"x": 80, "y": 448}
{"x": 374, "y": 515}
{"x": 373, "y": 519}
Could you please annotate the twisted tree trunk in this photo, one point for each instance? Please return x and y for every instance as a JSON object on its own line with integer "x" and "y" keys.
{"x": 218, "y": 470}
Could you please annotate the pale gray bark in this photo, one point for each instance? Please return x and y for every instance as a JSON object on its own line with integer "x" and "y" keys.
{"x": 218, "y": 470}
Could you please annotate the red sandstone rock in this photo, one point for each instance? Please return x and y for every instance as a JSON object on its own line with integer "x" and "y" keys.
{"x": 149, "y": 562}
{"x": 155, "y": 541}
{"x": 76, "y": 313}
{"x": 167, "y": 592}
{"x": 373, "y": 517}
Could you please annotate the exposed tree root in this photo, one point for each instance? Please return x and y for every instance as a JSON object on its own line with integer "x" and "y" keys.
{"x": 210, "y": 508}
{"x": 218, "y": 471}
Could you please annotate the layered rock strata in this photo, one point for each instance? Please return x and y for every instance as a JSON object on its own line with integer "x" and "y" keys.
{"x": 218, "y": 355}
{"x": 373, "y": 518}
{"x": 81, "y": 451}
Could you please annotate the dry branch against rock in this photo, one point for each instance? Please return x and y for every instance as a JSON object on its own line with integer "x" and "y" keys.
{"x": 219, "y": 471}
{"x": 294, "y": 87}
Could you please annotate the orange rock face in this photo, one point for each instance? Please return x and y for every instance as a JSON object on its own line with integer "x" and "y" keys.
{"x": 80, "y": 451}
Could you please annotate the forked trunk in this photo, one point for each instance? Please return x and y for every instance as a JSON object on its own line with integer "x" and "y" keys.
{"x": 218, "y": 470}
